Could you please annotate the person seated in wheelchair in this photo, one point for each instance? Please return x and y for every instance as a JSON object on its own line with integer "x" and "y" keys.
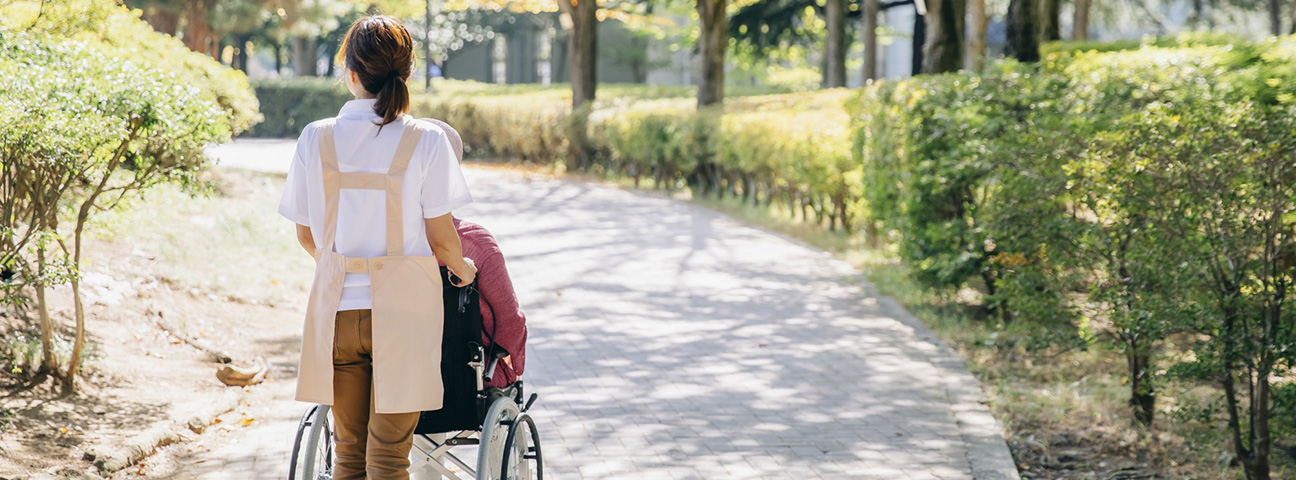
{"x": 503, "y": 323}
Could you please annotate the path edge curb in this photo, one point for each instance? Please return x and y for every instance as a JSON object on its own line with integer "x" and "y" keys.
{"x": 987, "y": 448}
{"x": 109, "y": 459}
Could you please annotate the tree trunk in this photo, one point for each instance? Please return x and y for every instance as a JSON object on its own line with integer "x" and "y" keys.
{"x": 1142, "y": 394}
{"x": 919, "y": 40}
{"x": 427, "y": 47}
{"x": 240, "y": 51}
{"x": 1080, "y": 21}
{"x": 976, "y": 41}
{"x": 1047, "y": 28}
{"x": 197, "y": 32}
{"x": 639, "y": 65}
{"x": 582, "y": 37}
{"x": 558, "y": 62}
{"x": 1257, "y": 468}
{"x": 1254, "y": 460}
{"x": 713, "y": 42}
{"x": 1022, "y": 43}
{"x": 869, "y": 31}
{"x": 164, "y": 21}
{"x": 278, "y": 54}
{"x": 1293, "y": 19}
{"x": 330, "y": 52}
{"x": 834, "y": 75}
{"x": 943, "y": 49}
{"x": 78, "y": 343}
{"x": 49, "y": 363}
{"x": 305, "y": 56}
{"x": 1275, "y": 18}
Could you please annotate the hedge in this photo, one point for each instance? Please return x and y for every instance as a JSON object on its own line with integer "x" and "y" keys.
{"x": 1139, "y": 196}
{"x": 289, "y": 105}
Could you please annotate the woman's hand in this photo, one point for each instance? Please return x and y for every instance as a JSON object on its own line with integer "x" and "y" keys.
{"x": 444, "y": 240}
{"x": 466, "y": 272}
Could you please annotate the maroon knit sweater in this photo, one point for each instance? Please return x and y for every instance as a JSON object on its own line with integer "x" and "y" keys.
{"x": 497, "y": 295}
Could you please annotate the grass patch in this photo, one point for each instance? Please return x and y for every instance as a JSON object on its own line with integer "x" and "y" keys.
{"x": 209, "y": 242}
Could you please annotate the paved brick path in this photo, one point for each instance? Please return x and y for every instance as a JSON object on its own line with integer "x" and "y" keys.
{"x": 669, "y": 341}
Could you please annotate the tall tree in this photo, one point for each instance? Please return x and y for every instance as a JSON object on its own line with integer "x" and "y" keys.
{"x": 978, "y": 21}
{"x": 1275, "y": 17}
{"x": 1080, "y": 21}
{"x": 1048, "y": 27}
{"x": 427, "y": 45}
{"x": 581, "y": 23}
{"x": 713, "y": 40}
{"x": 869, "y": 32}
{"x": 919, "y": 40}
{"x": 1023, "y": 44}
{"x": 834, "y": 74}
{"x": 943, "y": 48}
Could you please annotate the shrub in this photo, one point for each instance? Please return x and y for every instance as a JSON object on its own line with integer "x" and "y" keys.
{"x": 531, "y": 128}
{"x": 654, "y": 139}
{"x": 289, "y": 105}
{"x": 118, "y": 127}
{"x": 1149, "y": 185}
{"x": 119, "y": 33}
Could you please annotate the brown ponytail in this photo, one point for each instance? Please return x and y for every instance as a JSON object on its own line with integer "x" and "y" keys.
{"x": 381, "y": 53}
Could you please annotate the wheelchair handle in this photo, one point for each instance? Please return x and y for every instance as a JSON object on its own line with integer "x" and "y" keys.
{"x": 463, "y": 297}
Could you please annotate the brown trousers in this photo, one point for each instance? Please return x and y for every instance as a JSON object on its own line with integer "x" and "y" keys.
{"x": 369, "y": 445}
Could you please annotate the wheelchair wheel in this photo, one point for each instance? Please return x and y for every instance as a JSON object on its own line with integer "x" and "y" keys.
{"x": 312, "y": 454}
{"x": 494, "y": 441}
{"x": 523, "y": 459}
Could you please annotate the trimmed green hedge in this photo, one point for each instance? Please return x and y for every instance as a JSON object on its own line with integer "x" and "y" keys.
{"x": 289, "y": 105}
{"x": 793, "y": 148}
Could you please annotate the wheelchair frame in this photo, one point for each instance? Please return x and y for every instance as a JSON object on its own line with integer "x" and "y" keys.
{"x": 508, "y": 443}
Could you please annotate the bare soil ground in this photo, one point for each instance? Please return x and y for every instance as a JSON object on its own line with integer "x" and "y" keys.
{"x": 139, "y": 376}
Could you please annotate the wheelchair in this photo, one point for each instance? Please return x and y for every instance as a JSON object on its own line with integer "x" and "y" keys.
{"x": 495, "y": 420}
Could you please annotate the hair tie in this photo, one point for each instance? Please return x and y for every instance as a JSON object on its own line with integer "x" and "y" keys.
{"x": 393, "y": 74}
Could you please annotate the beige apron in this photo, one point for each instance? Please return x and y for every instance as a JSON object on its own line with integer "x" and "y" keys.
{"x": 406, "y": 292}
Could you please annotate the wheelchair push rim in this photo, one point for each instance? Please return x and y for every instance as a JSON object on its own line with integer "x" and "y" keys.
{"x": 312, "y": 455}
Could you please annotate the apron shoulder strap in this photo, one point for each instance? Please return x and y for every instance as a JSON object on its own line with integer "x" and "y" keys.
{"x": 395, "y": 174}
{"x": 332, "y": 181}
{"x": 405, "y": 149}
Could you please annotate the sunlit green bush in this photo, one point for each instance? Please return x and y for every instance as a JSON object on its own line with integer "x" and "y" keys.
{"x": 81, "y": 129}
{"x": 120, "y": 33}
{"x": 526, "y": 127}
{"x": 1140, "y": 195}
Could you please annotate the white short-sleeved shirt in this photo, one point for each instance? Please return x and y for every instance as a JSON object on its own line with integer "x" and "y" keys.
{"x": 433, "y": 186}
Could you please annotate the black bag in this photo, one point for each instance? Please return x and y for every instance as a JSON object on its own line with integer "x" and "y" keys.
{"x": 461, "y": 408}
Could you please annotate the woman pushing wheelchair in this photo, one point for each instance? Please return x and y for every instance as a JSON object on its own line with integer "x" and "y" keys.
{"x": 372, "y": 192}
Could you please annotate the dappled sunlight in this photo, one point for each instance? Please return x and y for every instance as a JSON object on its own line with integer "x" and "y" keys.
{"x": 669, "y": 339}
